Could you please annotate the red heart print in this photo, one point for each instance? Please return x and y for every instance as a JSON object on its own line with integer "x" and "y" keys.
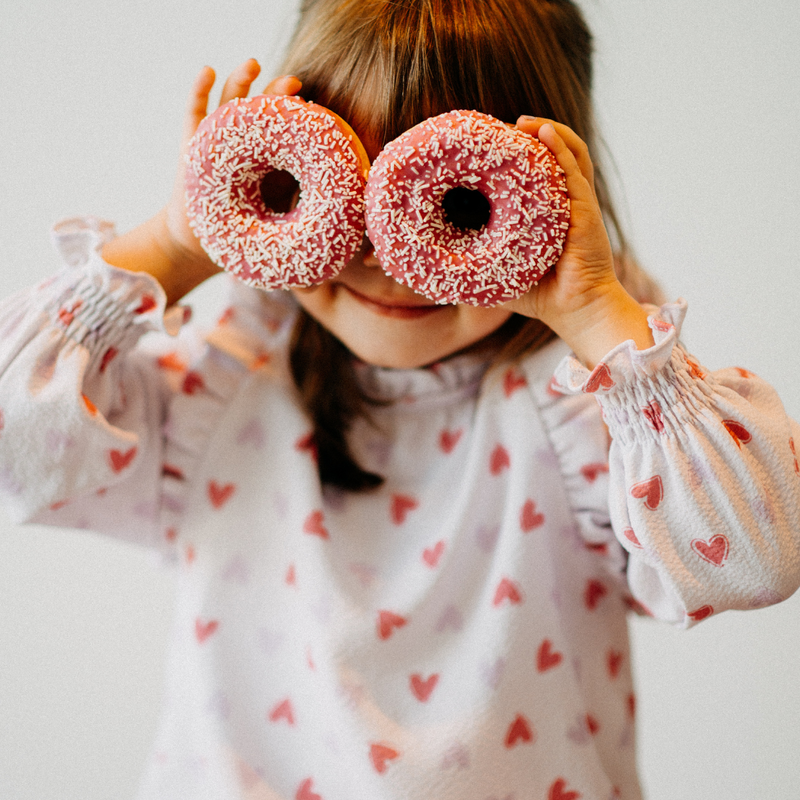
{"x": 592, "y": 725}
{"x": 171, "y": 471}
{"x": 67, "y": 315}
{"x": 530, "y": 518}
{"x": 379, "y": 754}
{"x": 507, "y": 590}
{"x": 282, "y": 711}
{"x": 305, "y": 792}
{"x": 554, "y": 388}
{"x": 387, "y": 622}
{"x": 740, "y": 434}
{"x": 259, "y": 360}
{"x": 660, "y": 325}
{"x": 171, "y": 362}
{"x": 291, "y": 576}
{"x": 695, "y": 370}
{"x": 422, "y": 688}
{"x": 219, "y": 495}
{"x": 314, "y": 524}
{"x": 652, "y": 413}
{"x": 701, "y": 613}
{"x": 193, "y": 382}
{"x": 546, "y": 657}
{"x": 614, "y": 662}
{"x": 107, "y": 358}
{"x": 715, "y": 550}
{"x": 597, "y": 547}
{"x": 202, "y": 630}
{"x": 630, "y": 535}
{"x": 449, "y": 439}
{"x": 599, "y": 379}
{"x": 499, "y": 460}
{"x": 431, "y": 555}
{"x": 519, "y": 731}
{"x": 308, "y": 444}
{"x": 90, "y": 407}
{"x": 652, "y": 490}
{"x": 558, "y": 791}
{"x": 594, "y": 592}
{"x": 512, "y": 381}
{"x": 592, "y": 471}
{"x": 400, "y": 506}
{"x": 120, "y": 460}
{"x": 148, "y": 304}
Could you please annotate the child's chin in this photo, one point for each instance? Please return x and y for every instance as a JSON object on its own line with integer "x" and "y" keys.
{"x": 391, "y": 358}
{"x": 397, "y": 363}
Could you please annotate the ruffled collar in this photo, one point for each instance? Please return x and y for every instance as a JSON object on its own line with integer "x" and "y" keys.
{"x": 449, "y": 380}
{"x": 455, "y": 378}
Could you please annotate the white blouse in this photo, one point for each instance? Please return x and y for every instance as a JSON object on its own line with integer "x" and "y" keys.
{"x": 459, "y": 633}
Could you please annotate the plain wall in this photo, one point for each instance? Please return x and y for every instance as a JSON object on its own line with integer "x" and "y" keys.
{"x": 700, "y": 106}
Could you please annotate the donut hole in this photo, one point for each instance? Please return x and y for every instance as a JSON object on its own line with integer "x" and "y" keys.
{"x": 466, "y": 208}
{"x": 280, "y": 191}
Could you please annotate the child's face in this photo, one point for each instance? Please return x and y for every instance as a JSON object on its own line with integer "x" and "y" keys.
{"x": 387, "y": 324}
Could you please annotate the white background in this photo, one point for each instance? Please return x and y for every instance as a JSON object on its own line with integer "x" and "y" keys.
{"x": 699, "y": 101}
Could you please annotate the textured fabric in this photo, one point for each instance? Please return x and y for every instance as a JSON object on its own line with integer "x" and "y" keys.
{"x": 459, "y": 633}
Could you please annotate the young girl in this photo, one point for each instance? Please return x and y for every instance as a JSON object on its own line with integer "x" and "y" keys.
{"x": 406, "y": 543}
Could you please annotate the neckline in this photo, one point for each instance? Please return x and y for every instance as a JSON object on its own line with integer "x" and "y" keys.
{"x": 453, "y": 378}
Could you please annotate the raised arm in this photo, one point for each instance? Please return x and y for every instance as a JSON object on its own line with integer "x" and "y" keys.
{"x": 704, "y": 477}
{"x": 83, "y": 401}
{"x": 164, "y": 246}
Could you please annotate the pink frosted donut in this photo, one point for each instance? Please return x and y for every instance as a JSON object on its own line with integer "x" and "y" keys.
{"x": 230, "y": 154}
{"x": 506, "y": 248}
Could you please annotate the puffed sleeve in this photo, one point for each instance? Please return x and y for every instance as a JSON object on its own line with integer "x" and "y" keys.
{"x": 81, "y": 405}
{"x": 704, "y": 480}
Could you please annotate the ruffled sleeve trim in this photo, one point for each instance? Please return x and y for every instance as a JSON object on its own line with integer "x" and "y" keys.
{"x": 98, "y": 305}
{"x": 82, "y": 407}
{"x": 644, "y": 393}
{"x": 703, "y": 480}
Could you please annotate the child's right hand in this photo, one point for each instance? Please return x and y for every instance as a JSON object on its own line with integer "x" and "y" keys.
{"x": 581, "y": 298}
{"x": 237, "y": 85}
{"x": 165, "y": 246}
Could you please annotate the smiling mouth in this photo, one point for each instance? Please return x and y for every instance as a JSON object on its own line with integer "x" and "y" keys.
{"x": 398, "y": 310}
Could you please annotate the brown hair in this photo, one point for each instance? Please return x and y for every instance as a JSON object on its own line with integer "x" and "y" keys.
{"x": 386, "y": 65}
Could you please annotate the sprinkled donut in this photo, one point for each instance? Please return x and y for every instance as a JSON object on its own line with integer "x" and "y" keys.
{"x": 513, "y": 217}
{"x": 229, "y": 156}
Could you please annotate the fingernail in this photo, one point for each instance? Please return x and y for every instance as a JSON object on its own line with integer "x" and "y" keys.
{"x": 526, "y": 118}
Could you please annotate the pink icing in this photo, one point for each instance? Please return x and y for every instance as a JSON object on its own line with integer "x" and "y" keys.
{"x": 419, "y": 247}
{"x": 229, "y": 155}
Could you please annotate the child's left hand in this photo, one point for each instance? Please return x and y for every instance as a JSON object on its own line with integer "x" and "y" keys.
{"x": 580, "y": 298}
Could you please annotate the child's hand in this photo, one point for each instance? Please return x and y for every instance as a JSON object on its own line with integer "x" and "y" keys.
{"x": 581, "y": 298}
{"x": 165, "y": 246}
{"x": 237, "y": 85}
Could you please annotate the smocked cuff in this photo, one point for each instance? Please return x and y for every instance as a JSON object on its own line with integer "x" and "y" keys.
{"x": 96, "y": 304}
{"x": 643, "y": 393}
